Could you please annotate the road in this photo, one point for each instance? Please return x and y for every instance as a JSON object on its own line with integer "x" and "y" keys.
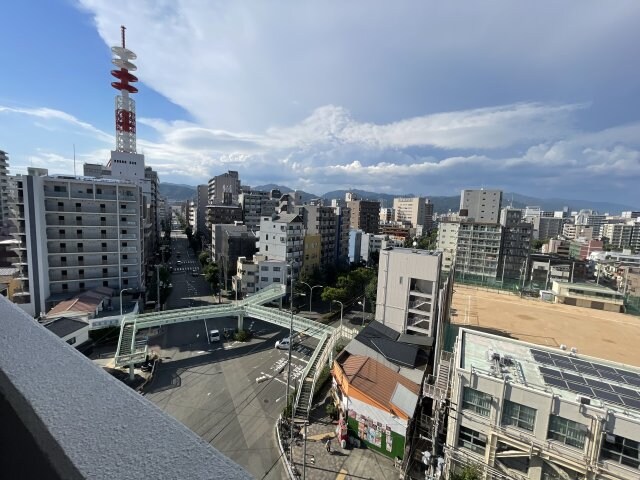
{"x": 212, "y": 388}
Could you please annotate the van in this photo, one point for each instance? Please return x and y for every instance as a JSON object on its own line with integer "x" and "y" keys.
{"x": 214, "y": 336}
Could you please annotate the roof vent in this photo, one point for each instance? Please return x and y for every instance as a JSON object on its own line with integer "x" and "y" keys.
{"x": 563, "y": 347}
{"x": 583, "y": 400}
{"x": 574, "y": 350}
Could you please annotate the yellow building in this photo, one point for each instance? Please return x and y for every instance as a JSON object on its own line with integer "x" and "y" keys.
{"x": 311, "y": 254}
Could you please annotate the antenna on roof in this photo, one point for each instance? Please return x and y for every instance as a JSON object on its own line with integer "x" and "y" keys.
{"x": 122, "y": 29}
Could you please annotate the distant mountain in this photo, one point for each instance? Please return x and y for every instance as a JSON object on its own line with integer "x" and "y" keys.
{"x": 177, "y": 193}
{"x": 385, "y": 199}
{"x": 552, "y": 204}
{"x": 284, "y": 189}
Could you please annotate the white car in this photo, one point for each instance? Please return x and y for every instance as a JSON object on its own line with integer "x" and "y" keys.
{"x": 284, "y": 344}
{"x": 214, "y": 336}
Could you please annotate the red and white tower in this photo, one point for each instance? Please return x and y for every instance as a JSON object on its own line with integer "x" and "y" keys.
{"x": 125, "y": 105}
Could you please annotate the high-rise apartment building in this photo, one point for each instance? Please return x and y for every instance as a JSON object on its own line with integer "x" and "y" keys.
{"x": 414, "y": 211}
{"x": 547, "y": 227}
{"x": 320, "y": 220}
{"x": 408, "y": 285}
{"x": 343, "y": 218}
{"x": 515, "y": 244}
{"x": 448, "y": 242}
{"x": 483, "y": 206}
{"x": 621, "y": 235}
{"x": 202, "y": 200}
{"x": 224, "y": 188}
{"x": 365, "y": 215}
{"x": 256, "y": 204}
{"x": 75, "y": 234}
{"x": 4, "y": 191}
{"x": 478, "y": 249}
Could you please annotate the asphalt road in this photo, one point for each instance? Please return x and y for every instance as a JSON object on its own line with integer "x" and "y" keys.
{"x": 212, "y": 388}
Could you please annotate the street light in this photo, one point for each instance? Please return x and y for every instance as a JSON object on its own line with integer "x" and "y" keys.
{"x": 363, "y": 303}
{"x": 341, "y": 309}
{"x": 311, "y": 292}
{"x": 123, "y": 290}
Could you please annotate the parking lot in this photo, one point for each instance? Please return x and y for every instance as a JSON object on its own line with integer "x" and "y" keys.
{"x": 213, "y": 388}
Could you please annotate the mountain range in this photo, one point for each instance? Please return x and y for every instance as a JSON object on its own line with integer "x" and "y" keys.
{"x": 441, "y": 204}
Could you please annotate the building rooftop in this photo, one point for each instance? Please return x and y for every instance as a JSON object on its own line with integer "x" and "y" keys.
{"x": 64, "y": 326}
{"x": 562, "y": 373}
{"x": 383, "y": 340}
{"x": 591, "y": 287}
{"x": 599, "y": 333}
{"x": 415, "y": 251}
{"x": 377, "y": 381}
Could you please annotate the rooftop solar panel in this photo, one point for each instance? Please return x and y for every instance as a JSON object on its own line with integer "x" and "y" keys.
{"x": 598, "y": 384}
{"x": 632, "y": 402}
{"x": 587, "y": 370}
{"x": 584, "y": 363}
{"x": 556, "y": 382}
{"x": 580, "y": 388}
{"x": 572, "y": 377}
{"x": 625, "y": 391}
{"x": 612, "y": 376}
{"x": 633, "y": 381}
{"x": 608, "y": 396}
{"x": 604, "y": 368}
{"x": 546, "y": 361}
{"x": 550, "y": 372}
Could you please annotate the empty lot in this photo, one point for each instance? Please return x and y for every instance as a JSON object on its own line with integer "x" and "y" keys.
{"x": 612, "y": 336}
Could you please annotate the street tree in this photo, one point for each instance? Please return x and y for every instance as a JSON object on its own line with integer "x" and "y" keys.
{"x": 204, "y": 258}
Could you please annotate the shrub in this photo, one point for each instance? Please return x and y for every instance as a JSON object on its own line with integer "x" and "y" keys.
{"x": 241, "y": 336}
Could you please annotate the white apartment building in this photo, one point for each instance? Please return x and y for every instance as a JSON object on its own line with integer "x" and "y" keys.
{"x": 75, "y": 234}
{"x": 478, "y": 249}
{"x": 259, "y": 273}
{"x": 524, "y": 412}
{"x": 4, "y": 190}
{"x": 413, "y": 210}
{"x": 481, "y": 205}
{"x": 202, "y": 200}
{"x": 448, "y": 242}
{"x": 281, "y": 238}
{"x": 622, "y": 235}
{"x": 408, "y": 286}
{"x": 571, "y": 231}
{"x": 256, "y": 205}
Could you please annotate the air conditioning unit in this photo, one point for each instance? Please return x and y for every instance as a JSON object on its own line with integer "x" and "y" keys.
{"x": 583, "y": 400}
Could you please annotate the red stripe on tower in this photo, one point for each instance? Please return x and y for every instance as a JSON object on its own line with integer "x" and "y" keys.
{"x": 125, "y": 111}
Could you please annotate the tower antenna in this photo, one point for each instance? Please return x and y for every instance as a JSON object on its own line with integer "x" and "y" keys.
{"x": 122, "y": 29}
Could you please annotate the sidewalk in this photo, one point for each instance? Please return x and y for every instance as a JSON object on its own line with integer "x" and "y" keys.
{"x": 350, "y": 463}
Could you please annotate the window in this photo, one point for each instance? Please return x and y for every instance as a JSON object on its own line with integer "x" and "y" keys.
{"x": 125, "y": 281}
{"x": 65, "y": 286}
{"x": 81, "y": 259}
{"x": 567, "y": 431}
{"x": 276, "y": 280}
{"x": 125, "y": 257}
{"x": 105, "y": 283}
{"x": 125, "y": 269}
{"x": 98, "y": 190}
{"x": 518, "y": 415}
{"x": 276, "y": 269}
{"x": 64, "y": 273}
{"x": 81, "y": 285}
{"x": 266, "y": 248}
{"x": 123, "y": 206}
{"x": 621, "y": 450}
{"x": 476, "y": 401}
{"x": 474, "y": 441}
{"x": 264, "y": 269}
{"x": 123, "y": 219}
{"x": 124, "y": 244}
{"x": 124, "y": 232}
{"x": 267, "y": 236}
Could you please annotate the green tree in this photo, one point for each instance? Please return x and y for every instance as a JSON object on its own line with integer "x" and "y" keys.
{"x": 165, "y": 275}
{"x": 370, "y": 292}
{"x": 468, "y": 472}
{"x": 204, "y": 258}
{"x": 188, "y": 232}
{"x": 212, "y": 275}
{"x": 537, "y": 244}
{"x": 332, "y": 293}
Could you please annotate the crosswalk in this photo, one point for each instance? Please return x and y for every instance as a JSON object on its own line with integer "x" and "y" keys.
{"x": 187, "y": 266}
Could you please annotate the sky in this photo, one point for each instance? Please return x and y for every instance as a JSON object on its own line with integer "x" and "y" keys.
{"x": 422, "y": 96}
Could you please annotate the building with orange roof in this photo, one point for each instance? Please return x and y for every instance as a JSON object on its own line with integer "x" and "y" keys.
{"x": 378, "y": 401}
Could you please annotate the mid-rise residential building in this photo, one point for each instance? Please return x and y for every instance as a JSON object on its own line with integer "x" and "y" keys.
{"x": 483, "y": 206}
{"x": 622, "y": 235}
{"x": 515, "y": 244}
{"x": 343, "y": 219}
{"x": 312, "y": 246}
{"x": 282, "y": 238}
{"x": 414, "y": 210}
{"x": 447, "y": 241}
{"x": 387, "y": 215}
{"x": 630, "y": 214}
{"x": 525, "y": 412}
{"x": 408, "y": 285}
{"x": 545, "y": 228}
{"x": 320, "y": 220}
{"x": 256, "y": 204}
{"x": 75, "y": 234}
{"x": 571, "y": 231}
{"x": 365, "y": 215}
{"x": 4, "y": 192}
{"x": 532, "y": 211}
{"x": 557, "y": 246}
{"x": 202, "y": 200}
{"x": 355, "y": 244}
{"x": 259, "y": 273}
{"x": 589, "y": 217}
{"x": 219, "y": 214}
{"x": 478, "y": 249}
{"x": 543, "y": 269}
{"x": 225, "y": 188}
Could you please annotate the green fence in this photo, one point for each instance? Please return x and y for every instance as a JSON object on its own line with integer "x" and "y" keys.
{"x": 508, "y": 285}
{"x": 632, "y": 305}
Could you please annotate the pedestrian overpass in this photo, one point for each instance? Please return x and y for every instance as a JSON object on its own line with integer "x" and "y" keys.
{"x": 130, "y": 351}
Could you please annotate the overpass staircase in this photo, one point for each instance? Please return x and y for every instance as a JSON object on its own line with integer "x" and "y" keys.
{"x": 304, "y": 398}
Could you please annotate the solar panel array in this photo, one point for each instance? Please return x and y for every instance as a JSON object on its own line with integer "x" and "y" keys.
{"x": 625, "y": 391}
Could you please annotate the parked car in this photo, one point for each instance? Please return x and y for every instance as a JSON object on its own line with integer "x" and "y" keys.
{"x": 214, "y": 336}
{"x": 284, "y": 344}
{"x": 179, "y": 262}
{"x": 195, "y": 273}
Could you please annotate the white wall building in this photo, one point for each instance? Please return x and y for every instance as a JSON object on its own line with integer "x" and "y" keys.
{"x": 408, "y": 283}
{"x": 482, "y": 205}
{"x": 448, "y": 242}
{"x": 281, "y": 238}
{"x": 524, "y": 412}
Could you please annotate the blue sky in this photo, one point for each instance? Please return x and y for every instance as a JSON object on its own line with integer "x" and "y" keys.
{"x": 420, "y": 96}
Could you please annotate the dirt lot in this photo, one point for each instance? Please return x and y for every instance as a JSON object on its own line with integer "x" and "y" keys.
{"x": 613, "y": 336}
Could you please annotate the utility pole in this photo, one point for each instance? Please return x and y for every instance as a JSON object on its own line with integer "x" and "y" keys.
{"x": 289, "y": 372}
{"x": 158, "y": 287}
